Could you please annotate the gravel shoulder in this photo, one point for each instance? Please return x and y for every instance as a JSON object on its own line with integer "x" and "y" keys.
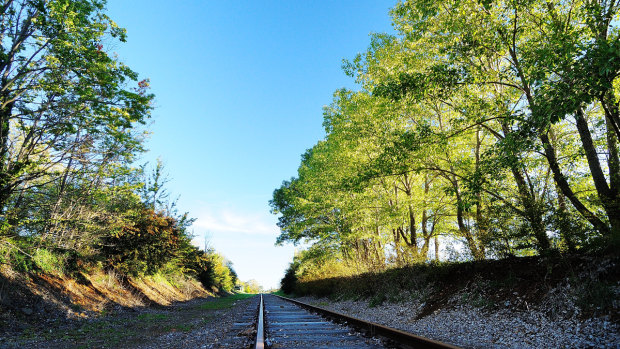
{"x": 199, "y": 323}
{"x": 473, "y": 327}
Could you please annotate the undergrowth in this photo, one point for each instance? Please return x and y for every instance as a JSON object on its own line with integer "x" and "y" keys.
{"x": 515, "y": 282}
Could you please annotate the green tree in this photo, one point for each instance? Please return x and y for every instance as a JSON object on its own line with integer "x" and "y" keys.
{"x": 62, "y": 94}
{"x": 558, "y": 60}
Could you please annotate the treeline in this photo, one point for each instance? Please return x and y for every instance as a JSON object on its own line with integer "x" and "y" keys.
{"x": 71, "y": 117}
{"x": 482, "y": 129}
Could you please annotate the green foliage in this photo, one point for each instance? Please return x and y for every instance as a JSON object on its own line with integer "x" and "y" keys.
{"x": 66, "y": 100}
{"x": 251, "y": 287}
{"x": 144, "y": 245}
{"x": 289, "y": 281}
{"x": 595, "y": 296}
{"x": 220, "y": 273}
{"x": 479, "y": 126}
{"x": 14, "y": 255}
{"x": 71, "y": 118}
{"x": 48, "y": 262}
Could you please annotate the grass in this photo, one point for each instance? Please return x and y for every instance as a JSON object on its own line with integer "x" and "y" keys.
{"x": 48, "y": 262}
{"x": 152, "y": 317}
{"x": 225, "y": 302}
{"x": 377, "y": 300}
{"x": 179, "y": 328}
{"x": 595, "y": 295}
{"x": 125, "y": 330}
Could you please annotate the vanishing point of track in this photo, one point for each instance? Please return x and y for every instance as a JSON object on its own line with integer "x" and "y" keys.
{"x": 287, "y": 323}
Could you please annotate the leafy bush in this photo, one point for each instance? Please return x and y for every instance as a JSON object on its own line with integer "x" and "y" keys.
{"x": 14, "y": 254}
{"x": 144, "y": 246}
{"x": 289, "y": 281}
{"x": 48, "y": 262}
{"x": 209, "y": 267}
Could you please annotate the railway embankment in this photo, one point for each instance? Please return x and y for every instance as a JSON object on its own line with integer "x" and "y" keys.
{"x": 103, "y": 308}
{"x": 532, "y": 302}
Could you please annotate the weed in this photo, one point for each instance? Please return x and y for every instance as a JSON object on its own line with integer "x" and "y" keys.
{"x": 595, "y": 295}
{"x": 377, "y": 300}
{"x": 421, "y": 294}
{"x": 476, "y": 299}
{"x": 148, "y": 317}
{"x": 28, "y": 333}
{"x": 481, "y": 301}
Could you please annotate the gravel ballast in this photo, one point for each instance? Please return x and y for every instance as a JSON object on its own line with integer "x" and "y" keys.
{"x": 471, "y": 327}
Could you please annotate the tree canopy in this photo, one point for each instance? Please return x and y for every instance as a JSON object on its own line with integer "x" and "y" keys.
{"x": 485, "y": 127}
{"x": 71, "y": 127}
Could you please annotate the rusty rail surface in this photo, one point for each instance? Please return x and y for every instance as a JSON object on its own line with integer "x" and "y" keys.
{"x": 398, "y": 336}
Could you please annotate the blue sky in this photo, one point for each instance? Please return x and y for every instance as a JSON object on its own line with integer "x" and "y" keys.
{"x": 240, "y": 87}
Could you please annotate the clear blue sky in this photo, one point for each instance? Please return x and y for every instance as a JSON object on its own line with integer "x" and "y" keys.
{"x": 240, "y": 87}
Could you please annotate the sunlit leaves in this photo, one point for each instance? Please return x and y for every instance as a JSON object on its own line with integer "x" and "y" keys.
{"x": 479, "y": 99}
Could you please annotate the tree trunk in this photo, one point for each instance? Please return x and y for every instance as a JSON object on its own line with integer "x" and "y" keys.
{"x": 608, "y": 195}
{"x": 476, "y": 250}
{"x": 5, "y": 177}
{"x": 533, "y": 213}
{"x": 562, "y": 183}
{"x": 412, "y": 229}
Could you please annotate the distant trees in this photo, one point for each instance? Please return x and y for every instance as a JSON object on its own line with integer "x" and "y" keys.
{"x": 494, "y": 124}
{"x": 251, "y": 286}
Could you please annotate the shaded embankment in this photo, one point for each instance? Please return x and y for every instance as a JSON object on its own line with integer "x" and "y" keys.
{"x": 28, "y": 299}
{"x": 560, "y": 285}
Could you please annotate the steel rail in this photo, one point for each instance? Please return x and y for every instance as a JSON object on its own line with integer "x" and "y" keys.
{"x": 401, "y": 337}
{"x": 260, "y": 329}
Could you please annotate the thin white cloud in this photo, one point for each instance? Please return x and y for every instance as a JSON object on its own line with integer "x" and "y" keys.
{"x": 227, "y": 220}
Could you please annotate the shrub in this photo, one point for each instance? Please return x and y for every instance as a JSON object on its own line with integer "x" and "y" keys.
{"x": 48, "y": 262}
{"x": 144, "y": 246}
{"x": 289, "y": 281}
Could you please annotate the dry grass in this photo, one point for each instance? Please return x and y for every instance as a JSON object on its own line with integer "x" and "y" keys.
{"x": 97, "y": 291}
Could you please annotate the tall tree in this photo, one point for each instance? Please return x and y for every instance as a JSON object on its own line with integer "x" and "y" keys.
{"x": 61, "y": 92}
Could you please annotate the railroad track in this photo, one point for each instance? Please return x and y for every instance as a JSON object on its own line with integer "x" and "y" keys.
{"x": 287, "y": 323}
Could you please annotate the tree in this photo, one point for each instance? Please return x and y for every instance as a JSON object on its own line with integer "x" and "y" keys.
{"x": 480, "y": 122}
{"x": 558, "y": 60}
{"x": 62, "y": 94}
